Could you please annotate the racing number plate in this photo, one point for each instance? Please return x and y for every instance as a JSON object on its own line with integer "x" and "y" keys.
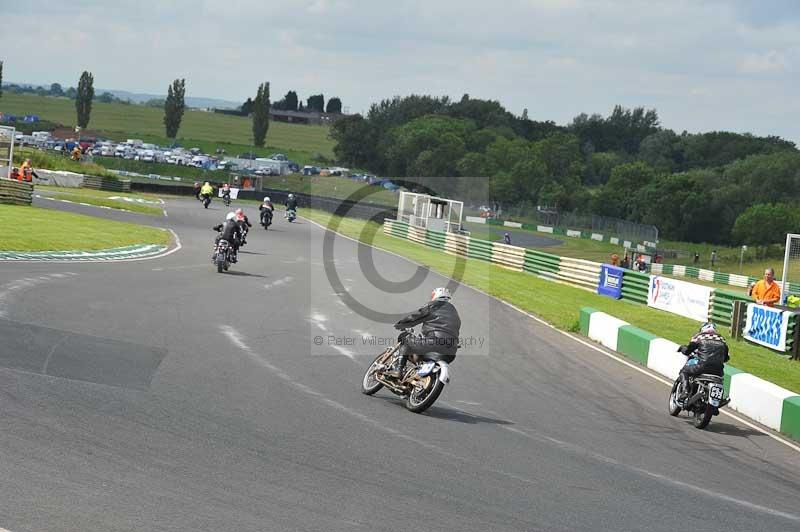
{"x": 715, "y": 395}
{"x": 426, "y": 368}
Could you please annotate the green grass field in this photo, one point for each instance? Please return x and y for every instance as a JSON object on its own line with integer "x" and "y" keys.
{"x": 199, "y": 128}
{"x": 559, "y": 304}
{"x": 51, "y": 230}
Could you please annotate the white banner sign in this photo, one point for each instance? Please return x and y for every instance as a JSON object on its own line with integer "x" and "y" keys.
{"x": 234, "y": 193}
{"x": 679, "y": 297}
{"x": 766, "y": 326}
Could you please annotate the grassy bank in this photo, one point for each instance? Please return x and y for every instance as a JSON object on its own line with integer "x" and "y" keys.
{"x": 50, "y": 161}
{"x": 51, "y": 230}
{"x": 121, "y": 121}
{"x": 559, "y": 304}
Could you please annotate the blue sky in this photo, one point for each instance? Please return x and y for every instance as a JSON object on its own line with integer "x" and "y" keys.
{"x": 704, "y": 66}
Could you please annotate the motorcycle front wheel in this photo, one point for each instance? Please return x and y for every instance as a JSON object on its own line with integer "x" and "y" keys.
{"x": 422, "y": 397}
{"x": 369, "y": 384}
{"x": 220, "y": 264}
{"x": 674, "y": 407}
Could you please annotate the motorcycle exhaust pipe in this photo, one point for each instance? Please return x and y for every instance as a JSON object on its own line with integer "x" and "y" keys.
{"x": 694, "y": 399}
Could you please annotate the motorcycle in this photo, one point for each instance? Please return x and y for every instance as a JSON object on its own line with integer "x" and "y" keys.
{"x": 291, "y": 215}
{"x": 206, "y": 200}
{"x": 222, "y": 255}
{"x": 706, "y": 397}
{"x": 245, "y": 230}
{"x": 421, "y": 383}
{"x": 226, "y": 198}
{"x": 266, "y": 218}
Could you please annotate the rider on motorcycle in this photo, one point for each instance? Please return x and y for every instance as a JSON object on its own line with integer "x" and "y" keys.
{"x": 440, "y": 328}
{"x": 266, "y": 209}
{"x": 206, "y": 190}
{"x": 229, "y": 231}
{"x": 226, "y": 192}
{"x": 291, "y": 205}
{"x": 707, "y": 352}
{"x": 244, "y": 224}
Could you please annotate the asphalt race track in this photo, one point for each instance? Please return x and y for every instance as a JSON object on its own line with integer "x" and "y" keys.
{"x": 160, "y": 395}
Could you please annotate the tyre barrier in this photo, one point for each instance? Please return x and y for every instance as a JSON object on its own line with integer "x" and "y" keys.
{"x": 15, "y": 192}
{"x": 106, "y": 183}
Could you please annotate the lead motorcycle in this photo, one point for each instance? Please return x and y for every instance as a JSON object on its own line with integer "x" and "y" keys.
{"x": 222, "y": 255}
{"x": 421, "y": 384}
{"x": 706, "y": 397}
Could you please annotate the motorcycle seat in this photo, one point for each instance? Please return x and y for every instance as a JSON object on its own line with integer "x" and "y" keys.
{"x": 435, "y": 357}
{"x": 709, "y": 377}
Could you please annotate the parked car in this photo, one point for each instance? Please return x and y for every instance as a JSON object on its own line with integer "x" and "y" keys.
{"x": 310, "y": 170}
{"x": 278, "y": 157}
{"x": 263, "y": 171}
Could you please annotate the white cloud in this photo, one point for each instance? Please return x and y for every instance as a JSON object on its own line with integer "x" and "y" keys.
{"x": 703, "y": 65}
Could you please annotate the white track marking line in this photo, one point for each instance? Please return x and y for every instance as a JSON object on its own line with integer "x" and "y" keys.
{"x": 577, "y": 449}
{"x": 568, "y": 335}
{"x": 236, "y": 338}
{"x": 279, "y": 282}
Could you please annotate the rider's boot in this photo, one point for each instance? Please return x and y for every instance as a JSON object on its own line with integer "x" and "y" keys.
{"x": 684, "y": 389}
{"x": 399, "y": 369}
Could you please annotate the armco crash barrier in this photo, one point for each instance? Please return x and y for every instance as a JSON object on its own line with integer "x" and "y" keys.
{"x": 766, "y": 403}
{"x": 581, "y": 273}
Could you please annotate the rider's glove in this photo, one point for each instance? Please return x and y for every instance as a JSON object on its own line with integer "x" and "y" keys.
{"x": 682, "y": 349}
{"x": 403, "y": 335}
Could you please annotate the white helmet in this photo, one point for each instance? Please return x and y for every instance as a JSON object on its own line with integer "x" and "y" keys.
{"x": 441, "y": 293}
{"x": 291, "y": 196}
{"x": 266, "y": 199}
{"x": 230, "y": 216}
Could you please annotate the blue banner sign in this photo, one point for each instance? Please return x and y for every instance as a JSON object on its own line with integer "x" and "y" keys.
{"x": 610, "y": 281}
{"x": 767, "y": 326}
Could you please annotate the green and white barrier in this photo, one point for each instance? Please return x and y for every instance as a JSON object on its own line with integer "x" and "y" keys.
{"x": 763, "y": 401}
{"x": 122, "y": 253}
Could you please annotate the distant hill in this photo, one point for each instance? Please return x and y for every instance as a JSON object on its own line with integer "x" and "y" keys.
{"x": 139, "y": 97}
{"x": 191, "y": 101}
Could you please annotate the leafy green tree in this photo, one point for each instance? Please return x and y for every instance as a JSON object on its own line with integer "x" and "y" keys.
{"x": 440, "y": 135}
{"x": 316, "y": 103}
{"x": 83, "y": 98}
{"x": 174, "y": 107}
{"x": 561, "y": 154}
{"x": 1, "y": 79}
{"x": 106, "y": 97}
{"x": 354, "y": 141}
{"x": 763, "y": 224}
{"x": 56, "y": 90}
{"x": 247, "y": 107}
{"x": 334, "y": 106}
{"x": 599, "y": 166}
{"x": 616, "y": 198}
{"x": 71, "y": 93}
{"x": 261, "y": 115}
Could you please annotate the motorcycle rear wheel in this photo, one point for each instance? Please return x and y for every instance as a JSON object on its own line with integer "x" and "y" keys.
{"x": 422, "y": 398}
{"x": 703, "y": 415}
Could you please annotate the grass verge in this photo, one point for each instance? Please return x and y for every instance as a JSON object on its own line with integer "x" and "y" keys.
{"x": 51, "y": 230}
{"x": 102, "y": 198}
{"x": 559, "y": 304}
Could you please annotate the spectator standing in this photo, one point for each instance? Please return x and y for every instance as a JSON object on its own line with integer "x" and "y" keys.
{"x": 766, "y": 291}
{"x": 696, "y": 258}
{"x": 626, "y": 262}
{"x": 641, "y": 264}
{"x": 713, "y": 258}
{"x": 614, "y": 259}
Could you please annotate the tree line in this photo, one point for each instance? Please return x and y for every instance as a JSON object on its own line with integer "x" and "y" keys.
{"x": 717, "y": 187}
{"x": 174, "y": 104}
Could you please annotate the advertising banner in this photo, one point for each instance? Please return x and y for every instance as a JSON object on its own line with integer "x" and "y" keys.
{"x": 610, "y": 283}
{"x": 234, "y": 193}
{"x": 679, "y": 297}
{"x": 766, "y": 326}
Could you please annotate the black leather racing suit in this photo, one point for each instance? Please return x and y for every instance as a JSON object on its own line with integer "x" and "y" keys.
{"x": 711, "y": 353}
{"x": 291, "y": 204}
{"x": 441, "y": 325}
{"x": 231, "y": 232}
